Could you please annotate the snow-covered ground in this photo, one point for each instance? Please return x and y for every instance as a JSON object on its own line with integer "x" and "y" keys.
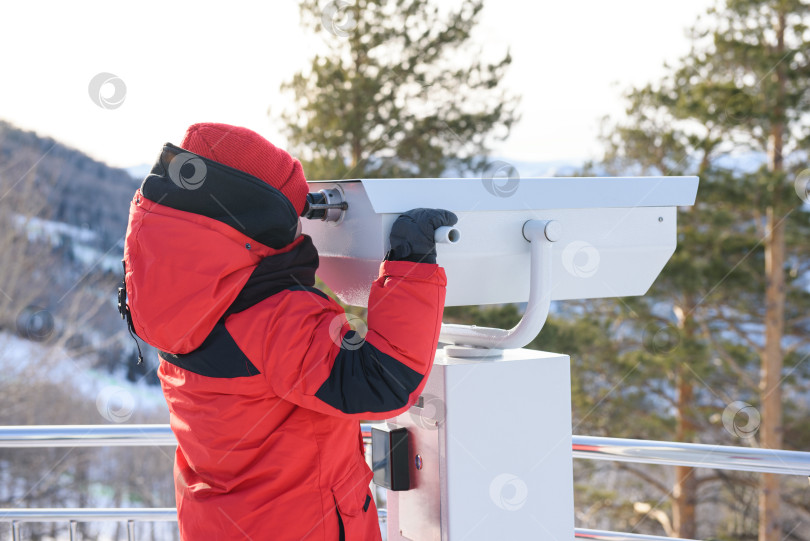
{"x": 116, "y": 398}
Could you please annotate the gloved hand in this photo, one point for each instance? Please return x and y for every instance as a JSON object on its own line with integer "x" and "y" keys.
{"x": 412, "y": 234}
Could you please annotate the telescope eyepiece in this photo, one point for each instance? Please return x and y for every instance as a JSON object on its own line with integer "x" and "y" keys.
{"x": 326, "y": 205}
{"x": 313, "y": 208}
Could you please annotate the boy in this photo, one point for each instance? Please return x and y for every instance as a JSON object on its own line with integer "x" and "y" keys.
{"x": 264, "y": 399}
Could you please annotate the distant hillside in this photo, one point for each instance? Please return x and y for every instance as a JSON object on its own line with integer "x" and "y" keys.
{"x": 63, "y": 216}
{"x": 79, "y": 190}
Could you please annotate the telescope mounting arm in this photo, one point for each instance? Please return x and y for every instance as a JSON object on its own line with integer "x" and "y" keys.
{"x": 541, "y": 234}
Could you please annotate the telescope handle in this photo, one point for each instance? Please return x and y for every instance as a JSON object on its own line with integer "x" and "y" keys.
{"x": 446, "y": 235}
{"x": 542, "y": 234}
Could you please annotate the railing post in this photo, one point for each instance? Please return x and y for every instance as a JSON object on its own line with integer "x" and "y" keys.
{"x": 15, "y": 531}
{"x": 73, "y": 530}
{"x": 131, "y": 530}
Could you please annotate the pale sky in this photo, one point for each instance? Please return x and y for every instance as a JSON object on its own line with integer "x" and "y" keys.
{"x": 184, "y": 62}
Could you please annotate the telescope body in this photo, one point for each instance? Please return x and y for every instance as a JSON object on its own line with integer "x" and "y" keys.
{"x": 615, "y": 234}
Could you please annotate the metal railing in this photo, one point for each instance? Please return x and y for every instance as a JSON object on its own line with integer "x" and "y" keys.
{"x": 587, "y": 447}
{"x": 721, "y": 457}
{"x": 86, "y": 436}
{"x": 599, "y": 535}
{"x": 76, "y": 515}
{"x": 697, "y": 455}
{"x": 169, "y": 514}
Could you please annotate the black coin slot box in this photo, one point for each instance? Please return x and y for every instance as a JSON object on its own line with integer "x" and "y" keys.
{"x": 389, "y": 458}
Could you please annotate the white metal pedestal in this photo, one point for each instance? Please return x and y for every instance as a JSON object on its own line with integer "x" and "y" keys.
{"x": 493, "y": 441}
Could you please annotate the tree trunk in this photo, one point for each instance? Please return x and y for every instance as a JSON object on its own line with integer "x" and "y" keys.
{"x": 684, "y": 493}
{"x": 770, "y": 390}
{"x": 357, "y": 153}
{"x": 684, "y": 519}
{"x": 771, "y": 372}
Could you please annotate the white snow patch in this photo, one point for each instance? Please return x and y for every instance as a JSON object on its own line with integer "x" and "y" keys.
{"x": 19, "y": 358}
{"x": 39, "y": 229}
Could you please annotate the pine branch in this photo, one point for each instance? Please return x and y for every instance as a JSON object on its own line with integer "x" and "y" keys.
{"x": 624, "y": 466}
{"x": 730, "y": 361}
{"x": 741, "y": 334}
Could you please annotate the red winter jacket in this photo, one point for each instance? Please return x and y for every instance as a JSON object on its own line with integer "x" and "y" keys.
{"x": 264, "y": 380}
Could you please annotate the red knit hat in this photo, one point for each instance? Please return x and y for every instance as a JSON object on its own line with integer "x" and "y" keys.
{"x": 248, "y": 151}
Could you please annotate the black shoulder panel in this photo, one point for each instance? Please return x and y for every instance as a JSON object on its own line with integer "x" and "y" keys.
{"x": 310, "y": 289}
{"x": 218, "y": 357}
{"x": 186, "y": 181}
{"x": 366, "y": 379}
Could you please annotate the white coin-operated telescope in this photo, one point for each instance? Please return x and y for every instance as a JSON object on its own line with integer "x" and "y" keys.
{"x": 486, "y": 451}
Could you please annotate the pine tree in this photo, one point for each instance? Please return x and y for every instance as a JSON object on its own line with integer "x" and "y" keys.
{"x": 397, "y": 94}
{"x": 739, "y": 283}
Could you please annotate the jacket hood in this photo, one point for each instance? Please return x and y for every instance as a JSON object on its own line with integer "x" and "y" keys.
{"x": 186, "y": 181}
{"x": 189, "y": 252}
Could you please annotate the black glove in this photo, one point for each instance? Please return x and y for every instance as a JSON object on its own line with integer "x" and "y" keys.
{"x": 412, "y": 234}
